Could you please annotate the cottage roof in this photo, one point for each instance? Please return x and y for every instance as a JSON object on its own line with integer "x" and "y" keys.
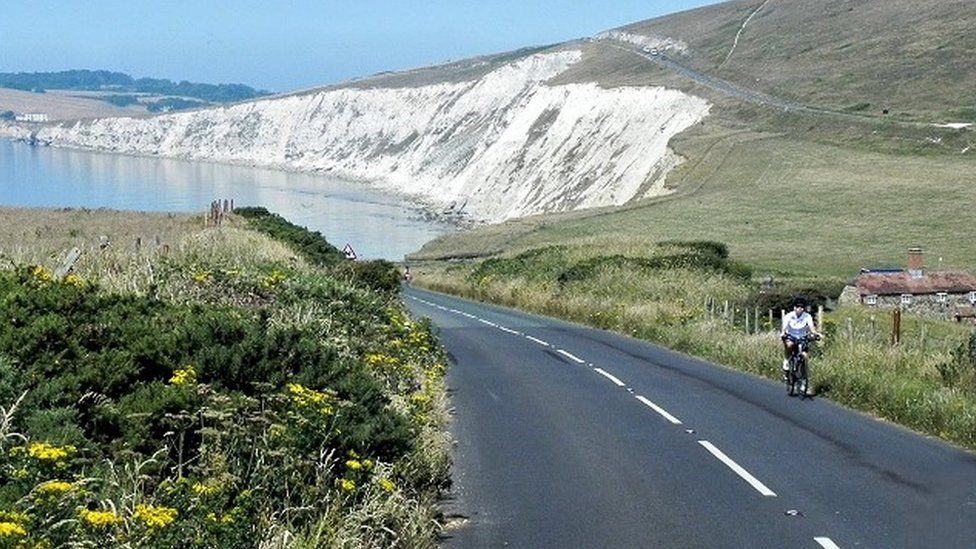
{"x": 903, "y": 283}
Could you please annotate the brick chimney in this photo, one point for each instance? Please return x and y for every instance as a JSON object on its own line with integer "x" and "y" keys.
{"x": 915, "y": 268}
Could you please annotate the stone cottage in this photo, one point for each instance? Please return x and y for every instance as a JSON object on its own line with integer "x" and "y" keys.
{"x": 940, "y": 294}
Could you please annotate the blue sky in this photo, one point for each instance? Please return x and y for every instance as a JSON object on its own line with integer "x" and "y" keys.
{"x": 287, "y": 45}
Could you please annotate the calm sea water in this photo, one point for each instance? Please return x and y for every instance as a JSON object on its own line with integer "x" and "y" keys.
{"x": 374, "y": 224}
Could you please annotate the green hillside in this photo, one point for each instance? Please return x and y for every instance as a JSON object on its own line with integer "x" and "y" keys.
{"x": 792, "y": 193}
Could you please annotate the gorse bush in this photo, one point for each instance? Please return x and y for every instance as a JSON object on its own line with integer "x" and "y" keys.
{"x": 379, "y": 275}
{"x": 558, "y": 263}
{"x": 311, "y": 244}
{"x": 266, "y": 404}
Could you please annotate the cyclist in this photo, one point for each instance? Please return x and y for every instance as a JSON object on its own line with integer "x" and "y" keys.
{"x": 797, "y": 325}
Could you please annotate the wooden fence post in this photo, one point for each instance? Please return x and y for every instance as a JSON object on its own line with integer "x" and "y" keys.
{"x": 895, "y": 327}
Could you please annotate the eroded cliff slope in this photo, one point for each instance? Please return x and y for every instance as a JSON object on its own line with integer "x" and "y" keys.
{"x": 500, "y": 145}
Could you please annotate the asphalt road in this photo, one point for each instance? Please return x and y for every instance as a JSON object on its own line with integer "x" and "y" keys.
{"x": 574, "y": 437}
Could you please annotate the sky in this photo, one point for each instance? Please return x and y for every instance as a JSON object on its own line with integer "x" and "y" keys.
{"x": 286, "y": 45}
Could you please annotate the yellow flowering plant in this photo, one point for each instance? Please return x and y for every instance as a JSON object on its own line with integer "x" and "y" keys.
{"x": 186, "y": 375}
{"x": 155, "y": 517}
{"x": 11, "y": 529}
{"x": 98, "y": 519}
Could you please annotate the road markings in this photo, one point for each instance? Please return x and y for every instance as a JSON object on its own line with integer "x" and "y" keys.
{"x": 539, "y": 341}
{"x": 508, "y": 330}
{"x": 659, "y": 410}
{"x": 609, "y": 376}
{"x": 488, "y": 322}
{"x": 826, "y": 543}
{"x": 571, "y": 356}
{"x": 753, "y": 481}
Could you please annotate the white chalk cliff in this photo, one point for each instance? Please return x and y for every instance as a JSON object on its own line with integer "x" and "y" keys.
{"x": 500, "y": 146}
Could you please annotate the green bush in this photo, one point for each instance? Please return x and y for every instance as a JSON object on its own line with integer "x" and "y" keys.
{"x": 379, "y": 275}
{"x": 780, "y": 296}
{"x": 310, "y": 244}
{"x": 65, "y": 342}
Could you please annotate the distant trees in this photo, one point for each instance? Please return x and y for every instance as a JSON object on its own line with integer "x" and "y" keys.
{"x": 88, "y": 80}
{"x": 120, "y": 100}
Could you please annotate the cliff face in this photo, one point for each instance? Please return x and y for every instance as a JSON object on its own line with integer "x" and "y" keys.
{"x": 500, "y": 146}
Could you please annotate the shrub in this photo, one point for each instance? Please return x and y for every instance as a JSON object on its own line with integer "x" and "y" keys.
{"x": 311, "y": 244}
{"x": 379, "y": 275}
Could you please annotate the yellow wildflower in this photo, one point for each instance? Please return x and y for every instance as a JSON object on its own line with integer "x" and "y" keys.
{"x": 309, "y": 398}
{"x": 347, "y": 485}
{"x": 155, "y": 517}
{"x": 98, "y": 519}
{"x": 45, "y": 452}
{"x": 386, "y": 485}
{"x": 42, "y": 274}
{"x": 73, "y": 280}
{"x": 353, "y": 465}
{"x": 222, "y": 519}
{"x": 367, "y": 464}
{"x": 273, "y": 279}
{"x": 184, "y": 376}
{"x": 204, "y": 489}
{"x": 9, "y": 529}
{"x": 201, "y": 277}
{"x": 54, "y": 487}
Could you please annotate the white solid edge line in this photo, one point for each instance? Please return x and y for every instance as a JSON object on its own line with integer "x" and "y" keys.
{"x": 539, "y": 341}
{"x": 753, "y": 481}
{"x": 826, "y": 543}
{"x": 571, "y": 356}
{"x": 609, "y": 376}
{"x": 659, "y": 410}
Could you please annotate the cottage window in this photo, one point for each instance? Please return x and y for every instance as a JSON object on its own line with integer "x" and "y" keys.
{"x": 871, "y": 299}
{"x": 906, "y": 299}
{"x": 941, "y": 297}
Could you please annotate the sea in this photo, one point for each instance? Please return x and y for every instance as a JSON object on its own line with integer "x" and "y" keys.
{"x": 374, "y": 224}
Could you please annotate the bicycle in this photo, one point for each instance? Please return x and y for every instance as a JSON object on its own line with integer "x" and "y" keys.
{"x": 797, "y": 374}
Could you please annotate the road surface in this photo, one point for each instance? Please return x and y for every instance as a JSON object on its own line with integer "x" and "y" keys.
{"x": 574, "y": 437}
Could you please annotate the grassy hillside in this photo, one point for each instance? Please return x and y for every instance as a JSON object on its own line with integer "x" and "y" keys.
{"x": 219, "y": 389}
{"x": 910, "y": 57}
{"x": 789, "y": 192}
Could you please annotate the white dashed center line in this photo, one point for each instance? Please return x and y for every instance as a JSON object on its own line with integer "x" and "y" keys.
{"x": 571, "y": 356}
{"x": 826, "y": 543}
{"x": 753, "y": 481}
{"x": 659, "y": 410}
{"x": 536, "y": 340}
{"x": 609, "y": 376}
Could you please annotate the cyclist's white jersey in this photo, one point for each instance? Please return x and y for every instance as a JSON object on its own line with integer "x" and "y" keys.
{"x": 798, "y": 326}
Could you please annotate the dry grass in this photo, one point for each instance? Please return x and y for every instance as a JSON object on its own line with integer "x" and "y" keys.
{"x": 62, "y": 105}
{"x": 783, "y": 206}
